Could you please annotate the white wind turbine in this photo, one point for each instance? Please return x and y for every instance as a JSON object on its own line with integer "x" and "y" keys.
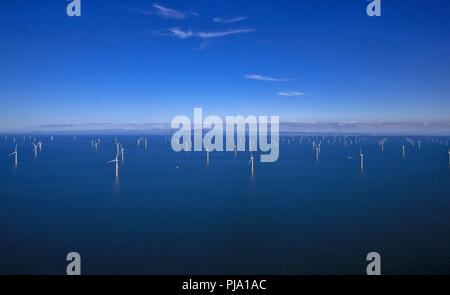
{"x": 251, "y": 160}
{"x": 117, "y": 164}
{"x": 361, "y": 155}
{"x": 15, "y": 155}
{"x": 35, "y": 149}
{"x": 40, "y": 145}
{"x": 121, "y": 151}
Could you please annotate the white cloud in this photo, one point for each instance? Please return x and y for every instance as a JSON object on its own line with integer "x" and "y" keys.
{"x": 172, "y": 13}
{"x": 205, "y": 35}
{"x": 164, "y": 12}
{"x": 264, "y": 78}
{"x": 230, "y": 20}
{"x": 291, "y": 93}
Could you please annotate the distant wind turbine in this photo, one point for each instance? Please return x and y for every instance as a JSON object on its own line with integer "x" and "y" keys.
{"x": 121, "y": 151}
{"x": 361, "y": 155}
{"x": 251, "y": 160}
{"x": 35, "y": 149}
{"x": 15, "y": 155}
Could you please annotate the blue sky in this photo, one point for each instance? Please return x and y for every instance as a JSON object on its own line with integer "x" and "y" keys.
{"x": 146, "y": 61}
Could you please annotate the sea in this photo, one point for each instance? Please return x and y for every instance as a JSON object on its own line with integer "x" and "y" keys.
{"x": 173, "y": 213}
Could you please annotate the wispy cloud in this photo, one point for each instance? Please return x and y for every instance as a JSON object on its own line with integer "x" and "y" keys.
{"x": 265, "y": 78}
{"x": 203, "y": 45}
{"x": 164, "y": 12}
{"x": 291, "y": 93}
{"x": 176, "y": 32}
{"x": 229, "y": 20}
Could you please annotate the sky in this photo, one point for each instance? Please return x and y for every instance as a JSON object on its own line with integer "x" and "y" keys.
{"x": 124, "y": 62}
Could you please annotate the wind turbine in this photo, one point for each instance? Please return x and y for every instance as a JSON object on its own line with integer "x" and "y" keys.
{"x": 403, "y": 151}
{"x": 117, "y": 164}
{"x": 35, "y": 149}
{"x": 15, "y": 155}
{"x": 40, "y": 145}
{"x": 207, "y": 156}
{"x": 251, "y": 160}
{"x": 121, "y": 151}
{"x": 361, "y": 155}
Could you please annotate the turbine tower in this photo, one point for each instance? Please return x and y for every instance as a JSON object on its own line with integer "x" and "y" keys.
{"x": 40, "y": 145}
{"x": 15, "y": 155}
{"x": 251, "y": 160}
{"x": 207, "y": 156}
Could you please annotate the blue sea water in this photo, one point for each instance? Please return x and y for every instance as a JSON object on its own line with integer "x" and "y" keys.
{"x": 298, "y": 215}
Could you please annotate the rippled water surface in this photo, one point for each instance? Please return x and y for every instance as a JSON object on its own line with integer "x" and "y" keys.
{"x": 170, "y": 213}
